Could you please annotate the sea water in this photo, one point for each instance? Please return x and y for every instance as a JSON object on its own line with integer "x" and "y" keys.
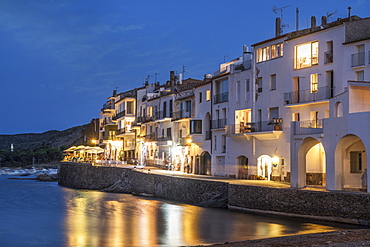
{"x": 40, "y": 214}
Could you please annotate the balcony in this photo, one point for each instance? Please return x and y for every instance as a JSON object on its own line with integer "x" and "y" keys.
{"x": 125, "y": 131}
{"x": 150, "y": 137}
{"x": 328, "y": 56}
{"x": 222, "y": 97}
{"x": 307, "y": 127}
{"x": 358, "y": 59}
{"x": 306, "y": 96}
{"x": 181, "y": 114}
{"x": 164, "y": 140}
{"x": 218, "y": 123}
{"x": 162, "y": 115}
{"x": 264, "y": 130}
{"x": 183, "y": 141}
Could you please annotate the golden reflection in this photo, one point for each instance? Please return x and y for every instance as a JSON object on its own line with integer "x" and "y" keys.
{"x": 104, "y": 219}
{"x": 190, "y": 222}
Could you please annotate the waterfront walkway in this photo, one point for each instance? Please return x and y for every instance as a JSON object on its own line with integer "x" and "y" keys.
{"x": 261, "y": 183}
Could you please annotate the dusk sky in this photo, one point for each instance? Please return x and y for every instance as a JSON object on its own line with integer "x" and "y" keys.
{"x": 61, "y": 59}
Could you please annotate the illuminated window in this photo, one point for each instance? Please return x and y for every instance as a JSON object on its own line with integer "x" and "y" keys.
{"x": 314, "y": 83}
{"x": 306, "y": 55}
{"x": 150, "y": 111}
{"x": 208, "y": 95}
{"x": 269, "y": 52}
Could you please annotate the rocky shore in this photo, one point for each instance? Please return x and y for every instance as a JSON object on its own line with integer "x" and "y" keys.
{"x": 342, "y": 238}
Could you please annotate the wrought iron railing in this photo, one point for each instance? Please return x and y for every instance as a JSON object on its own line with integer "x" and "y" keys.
{"x": 305, "y": 96}
{"x": 307, "y": 127}
{"x": 358, "y": 59}
{"x": 222, "y": 97}
{"x": 219, "y": 123}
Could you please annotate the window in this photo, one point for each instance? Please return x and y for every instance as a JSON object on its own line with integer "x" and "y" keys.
{"x": 130, "y": 107}
{"x": 358, "y": 59}
{"x": 277, "y": 50}
{"x": 164, "y": 109}
{"x": 200, "y": 97}
{"x": 273, "y": 82}
{"x": 314, "y": 80}
{"x": 215, "y": 146}
{"x": 169, "y": 135}
{"x": 259, "y": 84}
{"x": 295, "y": 116}
{"x": 247, "y": 89}
{"x": 238, "y": 91}
{"x": 208, "y": 95}
{"x": 360, "y": 75}
{"x": 171, "y": 110}
{"x": 150, "y": 111}
{"x": 329, "y": 52}
{"x": 306, "y": 55}
{"x": 269, "y": 52}
{"x": 355, "y": 161}
{"x": 223, "y": 144}
{"x": 196, "y": 127}
{"x": 221, "y": 91}
{"x": 273, "y": 113}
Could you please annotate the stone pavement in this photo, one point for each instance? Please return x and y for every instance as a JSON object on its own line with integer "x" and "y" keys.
{"x": 261, "y": 183}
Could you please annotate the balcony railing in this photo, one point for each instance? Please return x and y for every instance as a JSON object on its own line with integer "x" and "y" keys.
{"x": 124, "y": 131}
{"x": 328, "y": 57}
{"x": 181, "y": 114}
{"x": 119, "y": 115}
{"x": 219, "y": 123}
{"x": 164, "y": 138}
{"x": 307, "y": 127}
{"x": 305, "y": 96}
{"x": 222, "y": 97}
{"x": 182, "y": 141}
{"x": 208, "y": 135}
{"x": 262, "y": 126}
{"x": 358, "y": 59}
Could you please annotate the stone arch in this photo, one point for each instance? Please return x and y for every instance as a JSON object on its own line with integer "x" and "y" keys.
{"x": 264, "y": 166}
{"x": 205, "y": 163}
{"x": 311, "y": 163}
{"x": 350, "y": 163}
{"x": 338, "y": 109}
{"x": 242, "y": 167}
{"x": 207, "y": 126}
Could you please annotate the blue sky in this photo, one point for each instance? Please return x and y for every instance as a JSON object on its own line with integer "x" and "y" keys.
{"x": 61, "y": 59}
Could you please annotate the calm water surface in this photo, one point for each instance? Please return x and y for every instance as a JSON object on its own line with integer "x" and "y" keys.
{"x": 45, "y": 214}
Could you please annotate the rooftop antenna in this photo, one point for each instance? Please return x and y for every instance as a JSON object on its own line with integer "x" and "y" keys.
{"x": 276, "y": 11}
{"x": 329, "y": 15}
{"x": 184, "y": 70}
{"x": 225, "y": 58}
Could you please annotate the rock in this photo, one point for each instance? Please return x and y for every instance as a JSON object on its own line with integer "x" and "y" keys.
{"x": 44, "y": 177}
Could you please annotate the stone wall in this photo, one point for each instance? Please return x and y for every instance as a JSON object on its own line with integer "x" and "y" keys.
{"x": 111, "y": 179}
{"x": 333, "y": 206}
{"x": 336, "y": 206}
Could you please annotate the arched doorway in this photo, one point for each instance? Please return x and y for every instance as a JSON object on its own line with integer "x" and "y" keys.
{"x": 311, "y": 163}
{"x": 205, "y": 164}
{"x": 242, "y": 166}
{"x": 264, "y": 166}
{"x": 350, "y": 163}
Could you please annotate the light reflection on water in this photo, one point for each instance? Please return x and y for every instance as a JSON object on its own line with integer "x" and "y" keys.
{"x": 105, "y": 219}
{"x": 44, "y": 214}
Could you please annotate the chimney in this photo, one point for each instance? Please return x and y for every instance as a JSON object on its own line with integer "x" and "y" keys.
{"x": 313, "y": 21}
{"x": 277, "y": 27}
{"x": 323, "y": 21}
{"x": 349, "y": 12}
{"x": 114, "y": 92}
{"x": 172, "y": 80}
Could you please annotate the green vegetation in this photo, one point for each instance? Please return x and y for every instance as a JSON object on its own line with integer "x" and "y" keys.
{"x": 25, "y": 157}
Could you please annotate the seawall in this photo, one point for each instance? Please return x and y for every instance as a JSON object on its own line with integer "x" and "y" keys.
{"x": 343, "y": 207}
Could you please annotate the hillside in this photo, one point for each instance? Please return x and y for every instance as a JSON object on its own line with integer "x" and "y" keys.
{"x": 53, "y": 138}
